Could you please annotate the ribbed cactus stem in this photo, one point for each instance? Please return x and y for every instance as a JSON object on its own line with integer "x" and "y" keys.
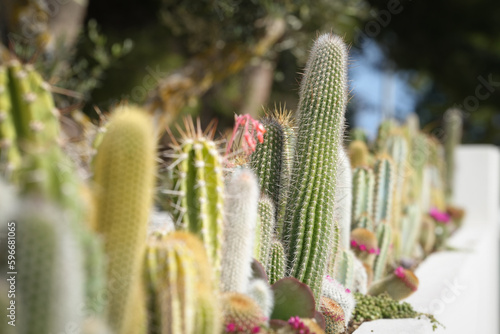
{"x": 343, "y": 198}
{"x": 453, "y": 135}
{"x": 384, "y": 130}
{"x": 263, "y": 295}
{"x": 199, "y": 185}
{"x": 276, "y": 266}
{"x": 345, "y": 268}
{"x": 384, "y": 237}
{"x": 363, "y": 185}
{"x": 239, "y": 231}
{"x": 264, "y": 230}
{"x": 124, "y": 188}
{"x": 384, "y": 190}
{"x": 359, "y": 154}
{"x": 411, "y": 229}
{"x": 309, "y": 216}
{"x": 335, "y": 251}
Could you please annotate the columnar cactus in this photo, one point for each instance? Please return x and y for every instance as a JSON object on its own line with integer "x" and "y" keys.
{"x": 265, "y": 230}
{"x": 411, "y": 226}
{"x": 124, "y": 188}
{"x": 384, "y": 130}
{"x": 239, "y": 231}
{"x": 180, "y": 283}
{"x": 363, "y": 185}
{"x": 359, "y": 154}
{"x": 199, "y": 185}
{"x": 384, "y": 190}
{"x": 384, "y": 237}
{"x": 399, "y": 285}
{"x": 345, "y": 268}
{"x": 272, "y": 159}
{"x": 343, "y": 198}
{"x": 335, "y": 251}
{"x": 309, "y": 216}
{"x": 276, "y": 265}
{"x": 453, "y": 135}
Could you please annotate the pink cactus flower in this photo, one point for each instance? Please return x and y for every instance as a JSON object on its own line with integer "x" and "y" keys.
{"x": 230, "y": 327}
{"x": 439, "y": 216}
{"x": 400, "y": 272}
{"x": 251, "y": 128}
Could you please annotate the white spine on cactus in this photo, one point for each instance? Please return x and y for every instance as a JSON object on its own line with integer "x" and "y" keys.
{"x": 360, "y": 277}
{"x": 338, "y": 293}
{"x": 343, "y": 198}
{"x": 242, "y": 195}
{"x": 261, "y": 292}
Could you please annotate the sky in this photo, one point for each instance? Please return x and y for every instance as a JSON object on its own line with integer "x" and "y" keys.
{"x": 378, "y": 94}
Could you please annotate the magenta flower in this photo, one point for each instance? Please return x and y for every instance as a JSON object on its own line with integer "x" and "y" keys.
{"x": 251, "y": 128}
{"x": 440, "y": 217}
{"x": 399, "y": 272}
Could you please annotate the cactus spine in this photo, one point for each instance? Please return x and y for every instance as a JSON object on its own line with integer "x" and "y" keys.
{"x": 309, "y": 217}
{"x": 363, "y": 187}
{"x": 276, "y": 266}
{"x": 198, "y": 181}
{"x": 337, "y": 292}
{"x": 453, "y": 136}
{"x": 343, "y": 198}
{"x": 265, "y": 230}
{"x": 180, "y": 285}
{"x": 124, "y": 188}
{"x": 239, "y": 231}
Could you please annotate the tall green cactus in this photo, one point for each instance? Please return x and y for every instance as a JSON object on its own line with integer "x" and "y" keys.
{"x": 345, "y": 268}
{"x": 343, "y": 198}
{"x": 363, "y": 185}
{"x": 264, "y": 230}
{"x": 272, "y": 159}
{"x": 198, "y": 182}
{"x": 309, "y": 216}
{"x": 124, "y": 187}
{"x": 384, "y": 190}
{"x": 410, "y": 229}
{"x": 384, "y": 238}
{"x": 239, "y": 231}
{"x": 276, "y": 266}
{"x": 180, "y": 284}
{"x": 453, "y": 135}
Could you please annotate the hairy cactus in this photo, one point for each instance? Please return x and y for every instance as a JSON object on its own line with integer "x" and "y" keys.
{"x": 180, "y": 282}
{"x": 271, "y": 160}
{"x": 199, "y": 185}
{"x": 50, "y": 280}
{"x": 241, "y": 314}
{"x": 384, "y": 190}
{"x": 334, "y": 316}
{"x": 359, "y": 154}
{"x": 124, "y": 189}
{"x": 239, "y": 231}
{"x": 345, "y": 268}
{"x": 399, "y": 285}
{"x": 335, "y": 291}
{"x": 343, "y": 198}
{"x": 363, "y": 185}
{"x": 261, "y": 292}
{"x": 335, "y": 252}
{"x": 384, "y": 237}
{"x": 453, "y": 135}
{"x": 309, "y": 216}
{"x": 265, "y": 230}
{"x": 276, "y": 265}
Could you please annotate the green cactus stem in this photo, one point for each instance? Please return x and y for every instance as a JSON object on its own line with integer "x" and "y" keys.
{"x": 124, "y": 187}
{"x": 359, "y": 154}
{"x": 363, "y": 185}
{"x": 384, "y": 238}
{"x": 276, "y": 266}
{"x": 399, "y": 285}
{"x": 199, "y": 185}
{"x": 345, "y": 268}
{"x": 384, "y": 190}
{"x": 264, "y": 230}
{"x": 309, "y": 216}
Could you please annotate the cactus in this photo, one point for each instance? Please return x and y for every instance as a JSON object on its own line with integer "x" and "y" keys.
{"x": 384, "y": 237}
{"x": 124, "y": 188}
{"x": 364, "y": 245}
{"x": 384, "y": 190}
{"x": 335, "y": 251}
{"x": 260, "y": 291}
{"x": 50, "y": 280}
{"x": 241, "y": 314}
{"x": 265, "y": 230}
{"x": 334, "y": 316}
{"x": 427, "y": 237}
{"x": 180, "y": 281}
{"x": 335, "y": 291}
{"x": 384, "y": 130}
{"x": 343, "y": 198}
{"x": 363, "y": 185}
{"x": 9, "y": 150}
{"x": 271, "y": 160}
{"x": 199, "y": 184}
{"x": 358, "y": 134}
{"x": 309, "y": 217}
{"x": 276, "y": 266}
{"x": 399, "y": 285}
{"x": 361, "y": 276}
{"x": 359, "y": 154}
{"x": 411, "y": 229}
{"x": 453, "y": 135}
{"x": 345, "y": 268}
{"x": 239, "y": 231}
{"x": 297, "y": 325}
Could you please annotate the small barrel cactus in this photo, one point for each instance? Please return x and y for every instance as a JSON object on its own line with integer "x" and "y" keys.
{"x": 399, "y": 285}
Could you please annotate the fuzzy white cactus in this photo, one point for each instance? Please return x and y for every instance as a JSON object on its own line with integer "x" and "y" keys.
{"x": 338, "y": 293}
{"x": 261, "y": 292}
{"x": 242, "y": 195}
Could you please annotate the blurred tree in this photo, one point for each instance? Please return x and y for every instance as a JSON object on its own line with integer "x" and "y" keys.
{"x": 457, "y": 44}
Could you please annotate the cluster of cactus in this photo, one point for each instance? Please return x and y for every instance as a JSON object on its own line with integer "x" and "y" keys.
{"x": 275, "y": 237}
